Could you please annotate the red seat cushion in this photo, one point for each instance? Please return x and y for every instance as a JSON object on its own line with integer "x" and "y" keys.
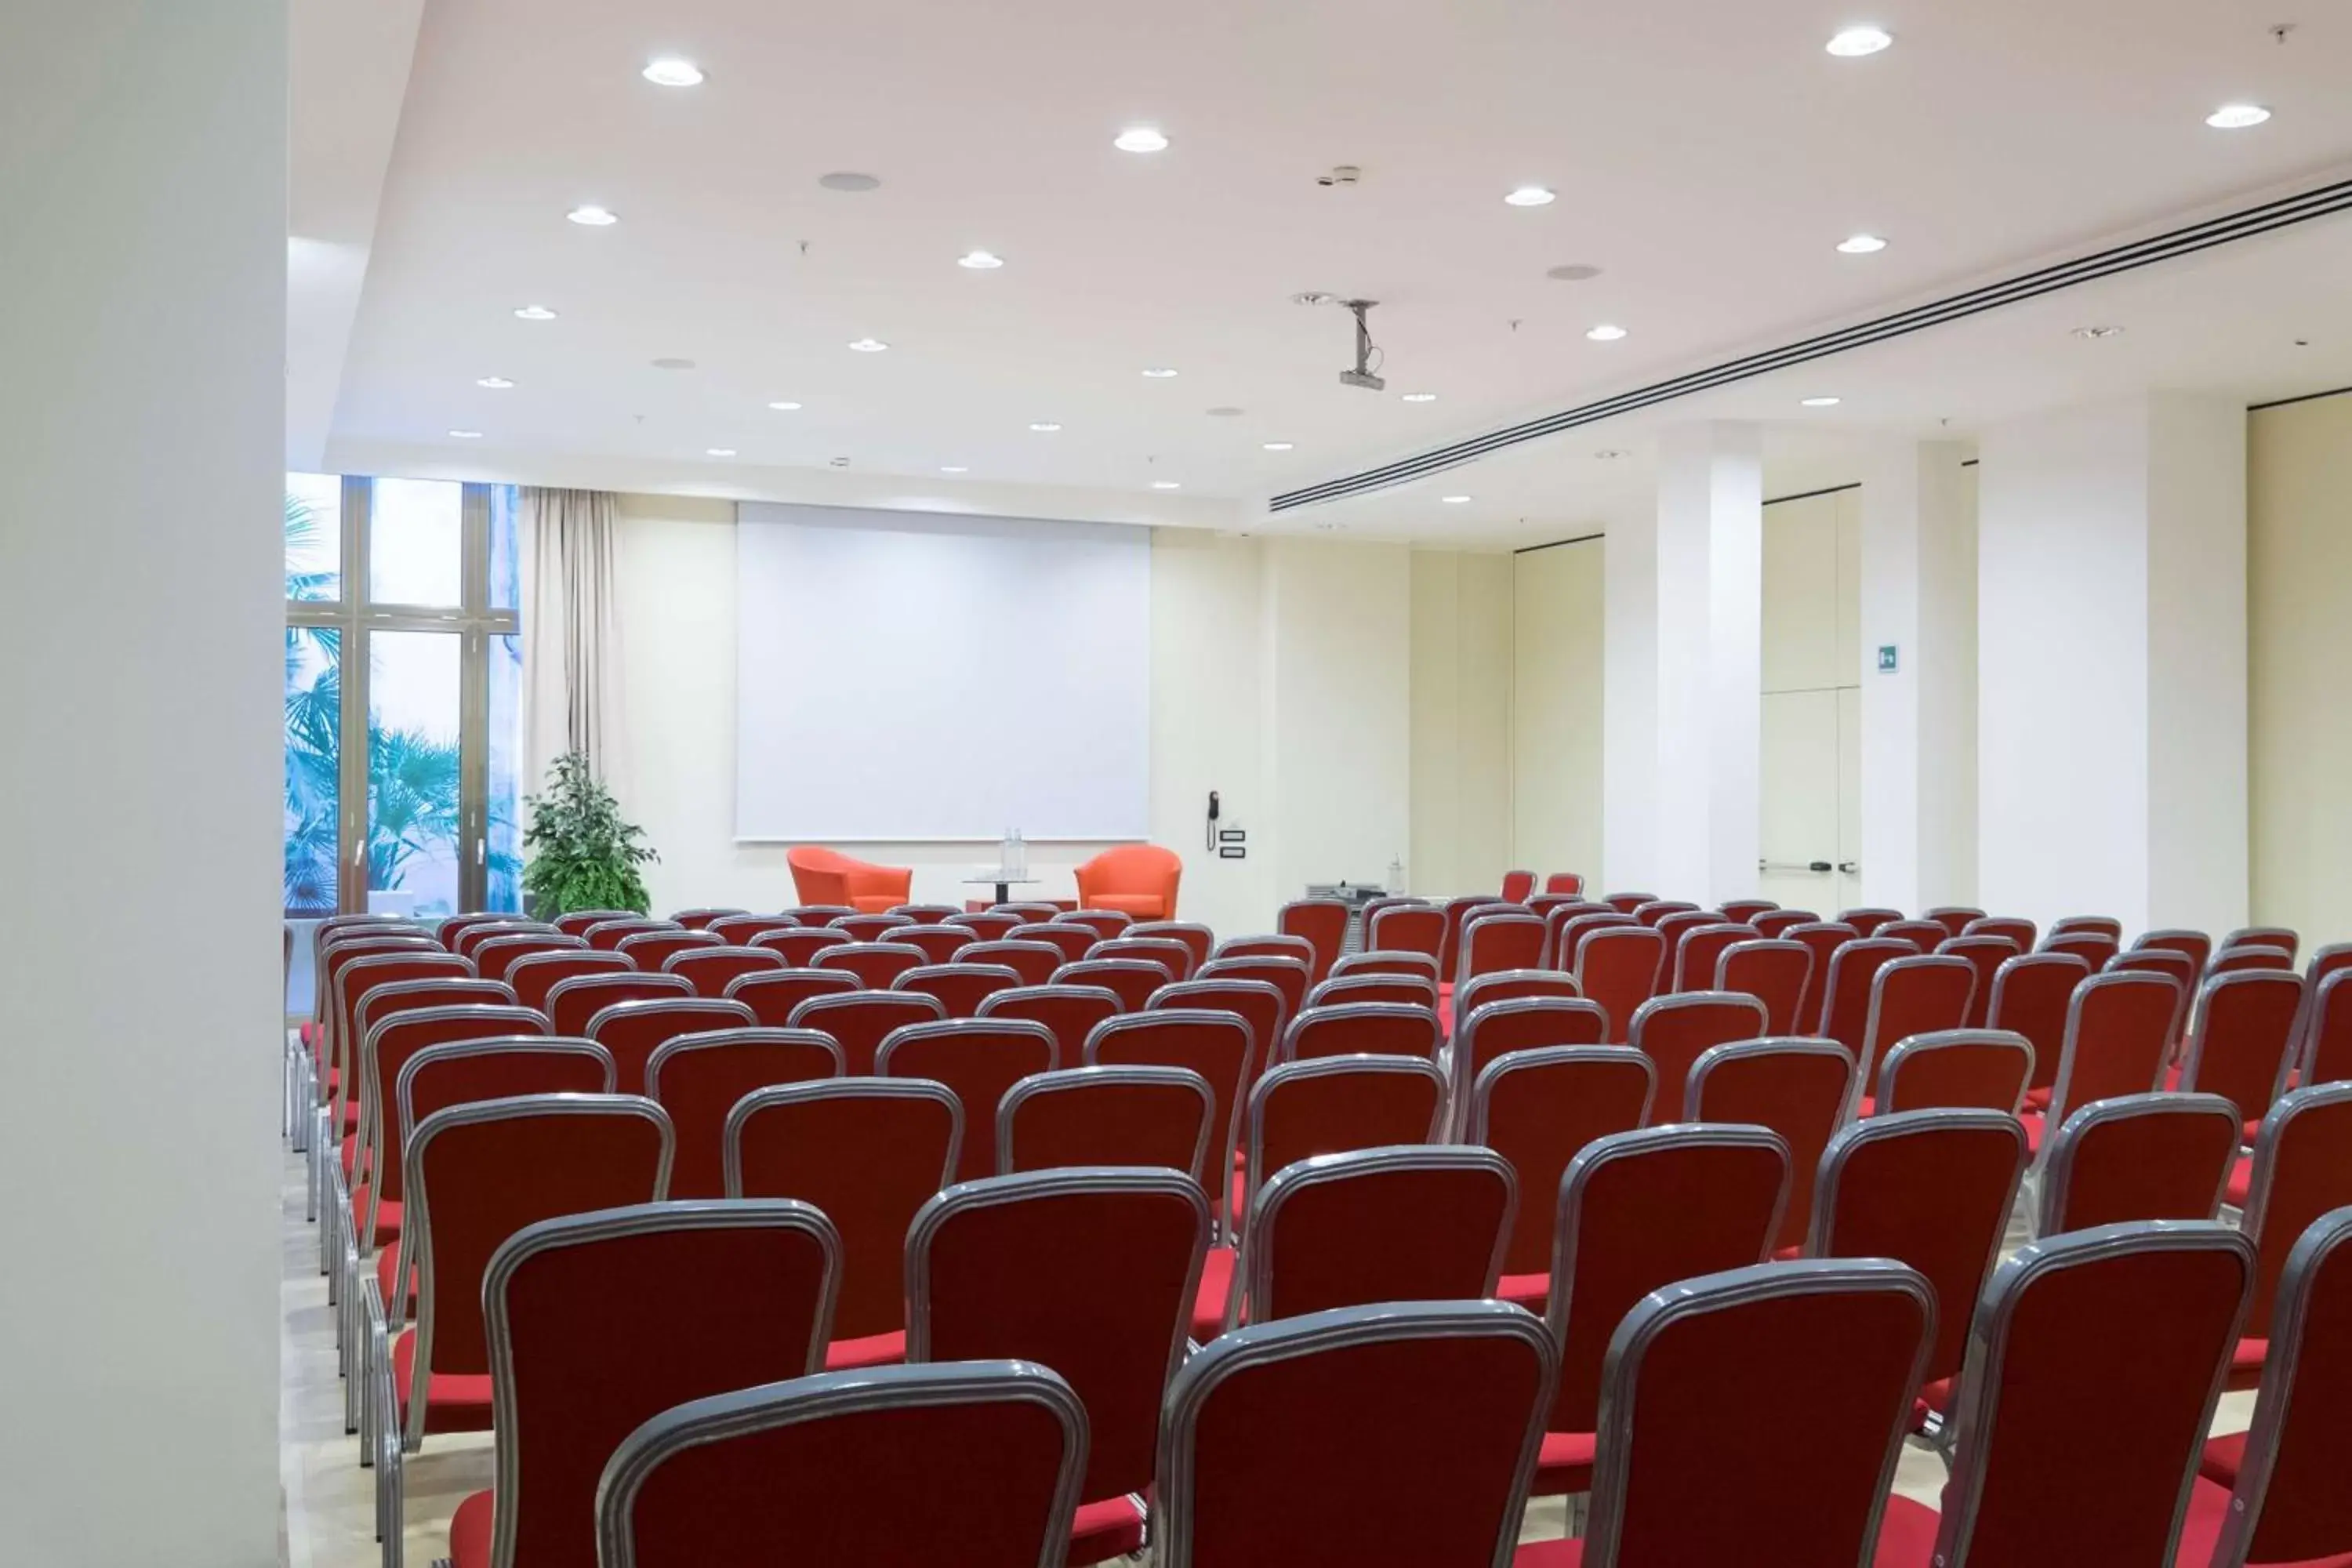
{"x": 2224, "y": 1457}
{"x": 1565, "y": 1463}
{"x": 1209, "y": 1302}
{"x": 2038, "y": 1098}
{"x": 2242, "y": 1183}
{"x": 469, "y": 1534}
{"x": 1143, "y": 906}
{"x": 454, "y": 1401}
{"x": 1529, "y": 1290}
{"x": 350, "y": 1150}
{"x": 2209, "y": 1510}
{"x": 388, "y": 1219}
{"x": 1906, "y": 1534}
{"x": 2033, "y": 1126}
{"x": 1104, "y": 1529}
{"x": 310, "y": 1030}
{"x": 870, "y": 1350}
{"x": 2246, "y": 1364}
{"x": 1549, "y": 1555}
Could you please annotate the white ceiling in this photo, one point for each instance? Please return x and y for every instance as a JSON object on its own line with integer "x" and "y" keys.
{"x": 1708, "y": 154}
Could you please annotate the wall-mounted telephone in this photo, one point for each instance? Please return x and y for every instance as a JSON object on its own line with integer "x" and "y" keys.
{"x": 1213, "y": 820}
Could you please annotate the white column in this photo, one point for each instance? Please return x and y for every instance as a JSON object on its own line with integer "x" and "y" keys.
{"x": 141, "y": 653}
{"x": 2112, "y": 663}
{"x": 1918, "y": 720}
{"x": 1710, "y": 566}
{"x": 1629, "y": 705}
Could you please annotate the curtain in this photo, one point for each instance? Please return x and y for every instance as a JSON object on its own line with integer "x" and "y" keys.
{"x": 572, "y": 633}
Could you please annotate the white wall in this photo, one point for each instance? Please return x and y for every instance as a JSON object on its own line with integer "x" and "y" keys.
{"x": 1556, "y": 708}
{"x": 1462, "y": 697}
{"x": 140, "y": 620}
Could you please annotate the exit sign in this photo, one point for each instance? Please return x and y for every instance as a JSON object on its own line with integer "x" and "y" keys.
{"x": 1886, "y": 658}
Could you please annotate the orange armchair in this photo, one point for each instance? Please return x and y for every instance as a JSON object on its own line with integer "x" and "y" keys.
{"x": 828, "y": 877}
{"x": 1138, "y": 880}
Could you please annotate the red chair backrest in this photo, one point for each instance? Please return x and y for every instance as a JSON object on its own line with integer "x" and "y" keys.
{"x": 1215, "y": 1044}
{"x": 961, "y": 988}
{"x": 2327, "y": 1036}
{"x": 468, "y": 939}
{"x": 2138, "y": 1157}
{"x": 2106, "y": 925}
{"x": 1415, "y": 1224}
{"x": 1776, "y": 923}
{"x": 815, "y": 1470}
{"x": 1173, "y": 956}
{"x": 1618, "y": 968}
{"x": 1984, "y": 954}
{"x": 1831, "y": 1348}
{"x": 1143, "y": 1115}
{"x": 446, "y": 932}
{"x": 394, "y": 1040}
{"x": 1287, "y": 975}
{"x": 632, "y": 1031}
{"x": 2094, "y": 948}
{"x": 1822, "y": 939}
{"x": 868, "y": 927}
{"x": 1867, "y": 920}
{"x": 2283, "y": 937}
{"x": 978, "y": 1059}
{"x": 940, "y": 940}
{"x": 1035, "y": 962}
{"x": 1955, "y": 1070}
{"x": 698, "y": 1077}
{"x": 868, "y": 1152}
{"x": 1695, "y": 953}
{"x": 2031, "y": 996}
{"x": 1568, "y": 882}
{"x": 1916, "y": 995}
{"x": 651, "y": 949}
{"x": 478, "y": 1173}
{"x": 1378, "y": 1028}
{"x": 1674, "y": 927}
{"x": 1743, "y": 911}
{"x": 1925, "y": 935}
{"x": 1131, "y": 980}
{"x": 1267, "y": 944}
{"x": 1405, "y": 989}
{"x": 1090, "y": 1273}
{"x": 1953, "y": 918}
{"x": 1929, "y": 1188}
{"x": 534, "y": 976}
{"x": 1258, "y": 1002}
{"x": 1569, "y": 925}
{"x": 1493, "y": 1029}
{"x": 1657, "y": 910}
{"x": 605, "y": 936}
{"x": 1198, "y": 939}
{"x": 1673, "y": 1031}
{"x": 2245, "y": 1038}
{"x": 1626, "y": 903}
{"x": 773, "y": 995}
{"x": 876, "y": 963}
{"x": 1510, "y": 985}
{"x": 577, "y": 922}
{"x": 1845, "y": 1000}
{"x": 1638, "y": 1211}
{"x": 1073, "y": 941}
{"x": 928, "y": 914}
{"x": 1517, "y": 886}
{"x": 571, "y": 1003}
{"x": 381, "y": 1002}
{"x": 711, "y": 969}
{"x": 1774, "y": 971}
{"x": 1408, "y": 928}
{"x": 1538, "y": 1110}
{"x": 496, "y": 957}
{"x": 2016, "y": 928}
{"x": 1334, "y": 1104}
{"x": 2195, "y": 943}
{"x": 1498, "y": 939}
{"x": 2082, "y": 1414}
{"x": 1323, "y": 922}
{"x": 1797, "y": 1086}
{"x": 1454, "y": 911}
{"x": 801, "y": 944}
{"x": 2247, "y": 956}
{"x": 1104, "y": 923}
{"x": 1439, "y": 1400}
{"x": 600, "y": 1323}
{"x": 859, "y": 1021}
{"x": 745, "y": 929}
{"x": 1070, "y": 1011}
{"x": 462, "y": 1071}
{"x": 2118, "y": 1033}
{"x": 358, "y": 973}
{"x": 2302, "y": 1168}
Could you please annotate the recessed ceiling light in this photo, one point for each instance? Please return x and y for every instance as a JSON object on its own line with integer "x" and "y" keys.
{"x": 1531, "y": 197}
{"x": 1854, "y": 42}
{"x": 673, "y": 72}
{"x": 1139, "y": 138}
{"x": 1862, "y": 244}
{"x": 2237, "y": 116}
{"x": 1818, "y": 402}
{"x": 1044, "y": 427}
{"x": 1224, "y": 411}
{"x": 2096, "y": 332}
{"x": 786, "y": 407}
{"x": 1421, "y": 398}
{"x": 1572, "y": 272}
{"x": 1312, "y": 297}
{"x": 535, "y": 313}
{"x": 848, "y": 180}
{"x": 467, "y": 435}
{"x": 495, "y": 382}
{"x": 1159, "y": 372}
{"x": 673, "y": 365}
{"x": 1167, "y": 484}
{"x": 1609, "y": 454}
{"x": 869, "y": 345}
{"x": 720, "y": 451}
{"x": 953, "y": 469}
{"x": 1604, "y": 333}
{"x": 980, "y": 261}
{"x": 1329, "y": 527}
{"x": 1278, "y": 446}
{"x": 1455, "y": 500}
{"x": 593, "y": 217}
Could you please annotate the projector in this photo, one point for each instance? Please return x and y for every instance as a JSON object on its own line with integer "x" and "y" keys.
{"x": 1364, "y": 379}
{"x": 1363, "y": 374}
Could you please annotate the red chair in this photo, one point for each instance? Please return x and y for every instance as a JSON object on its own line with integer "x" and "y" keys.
{"x": 876, "y": 963}
{"x": 2094, "y": 948}
{"x": 1286, "y": 976}
{"x": 2032, "y": 994}
{"x": 1323, "y": 922}
{"x": 799, "y": 945}
{"x": 2138, "y": 1157}
{"x": 2302, "y": 1169}
{"x": 875, "y": 927}
{"x": 2118, "y": 1030}
{"x": 478, "y": 1174}
{"x": 1852, "y": 985}
{"x": 868, "y": 1152}
{"x": 1743, "y": 911}
{"x": 1214, "y": 1044}
{"x": 534, "y": 976}
{"x": 1926, "y": 936}
{"x": 1131, "y": 980}
{"x": 1798, "y": 1088}
{"x": 1497, "y": 940}
{"x": 652, "y": 949}
{"x": 632, "y": 1031}
{"x": 978, "y": 1059}
{"x": 1638, "y": 1211}
{"x": 1953, "y": 918}
{"x": 1917, "y": 995}
{"x": 711, "y": 969}
{"x": 1030, "y": 912}
{"x": 1401, "y": 990}
{"x": 2327, "y": 1050}
{"x": 1626, "y": 903}
{"x": 1984, "y": 954}
{"x": 446, "y": 932}
{"x": 1953, "y": 1069}
{"x": 942, "y": 942}
{"x": 357, "y": 977}
{"x": 1071, "y": 1012}
{"x": 1674, "y": 1031}
{"x": 773, "y": 995}
{"x": 396, "y": 1022}
{"x": 1538, "y": 1110}
{"x": 1034, "y": 962}
{"x": 1143, "y": 1115}
{"x": 928, "y": 914}
{"x": 859, "y": 1021}
{"x": 1518, "y": 886}
{"x": 2196, "y": 944}
{"x": 2243, "y": 1041}
{"x": 1511, "y": 986}
{"x": 1198, "y": 939}
{"x": 1569, "y": 927}
{"x": 2171, "y": 962}
{"x": 2276, "y": 1494}
{"x": 1169, "y": 954}
{"x": 959, "y": 987}
{"x": 1830, "y": 1350}
{"x": 468, "y": 938}
{"x": 2017, "y": 930}
{"x": 1778, "y": 923}
{"x": 1420, "y": 1223}
{"x": 1617, "y": 967}
{"x": 1932, "y": 1189}
{"x": 1568, "y": 882}
{"x": 1774, "y": 972}
{"x": 1493, "y": 1029}
{"x": 1408, "y": 928}
{"x": 1868, "y": 918}
{"x": 746, "y": 930}
{"x": 1378, "y": 1029}
{"x": 605, "y": 936}
{"x": 2104, "y": 925}
{"x": 2285, "y": 937}
{"x": 1657, "y": 910}
{"x": 2254, "y": 956}
{"x": 576, "y": 922}
{"x": 571, "y": 1003}
{"x": 1822, "y": 939}
{"x": 1139, "y": 880}
{"x": 827, "y": 876}
{"x": 1256, "y": 1002}
{"x": 1456, "y": 910}
{"x": 1674, "y": 928}
{"x": 1695, "y": 953}
{"x": 1090, "y": 1272}
{"x": 1271, "y": 945}
{"x": 2081, "y": 1412}
{"x": 494, "y": 956}
{"x": 815, "y": 1471}
{"x": 1072, "y": 942}
{"x": 699, "y": 1077}
{"x": 600, "y": 1323}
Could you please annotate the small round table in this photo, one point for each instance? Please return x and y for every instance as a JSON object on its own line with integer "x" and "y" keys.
{"x": 1003, "y": 882}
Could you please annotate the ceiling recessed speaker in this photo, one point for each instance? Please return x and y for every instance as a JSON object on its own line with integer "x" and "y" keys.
{"x": 673, "y": 365}
{"x": 1226, "y": 411}
{"x": 1572, "y": 272}
{"x": 848, "y": 180}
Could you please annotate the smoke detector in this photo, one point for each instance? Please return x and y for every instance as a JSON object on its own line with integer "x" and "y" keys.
{"x": 1340, "y": 174}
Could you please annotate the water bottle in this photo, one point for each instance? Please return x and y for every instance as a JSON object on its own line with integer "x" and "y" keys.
{"x": 1396, "y": 876}
{"x": 1016, "y": 855}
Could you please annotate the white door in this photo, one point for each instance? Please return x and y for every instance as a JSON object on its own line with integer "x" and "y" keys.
{"x": 1799, "y": 841}
{"x": 1810, "y": 767}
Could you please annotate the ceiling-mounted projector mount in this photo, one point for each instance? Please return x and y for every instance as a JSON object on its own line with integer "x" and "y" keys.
{"x": 1367, "y": 356}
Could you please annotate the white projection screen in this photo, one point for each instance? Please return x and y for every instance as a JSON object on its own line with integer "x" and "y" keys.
{"x": 923, "y": 676}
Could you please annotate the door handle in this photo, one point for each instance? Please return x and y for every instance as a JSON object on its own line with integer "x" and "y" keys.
{"x": 1850, "y": 867}
{"x": 1813, "y": 866}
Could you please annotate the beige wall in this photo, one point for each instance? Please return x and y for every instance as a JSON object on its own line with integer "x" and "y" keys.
{"x": 1556, "y": 709}
{"x": 1463, "y": 658}
{"x": 2299, "y": 630}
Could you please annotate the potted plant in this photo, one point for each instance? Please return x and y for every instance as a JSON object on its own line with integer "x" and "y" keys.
{"x": 582, "y": 854}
